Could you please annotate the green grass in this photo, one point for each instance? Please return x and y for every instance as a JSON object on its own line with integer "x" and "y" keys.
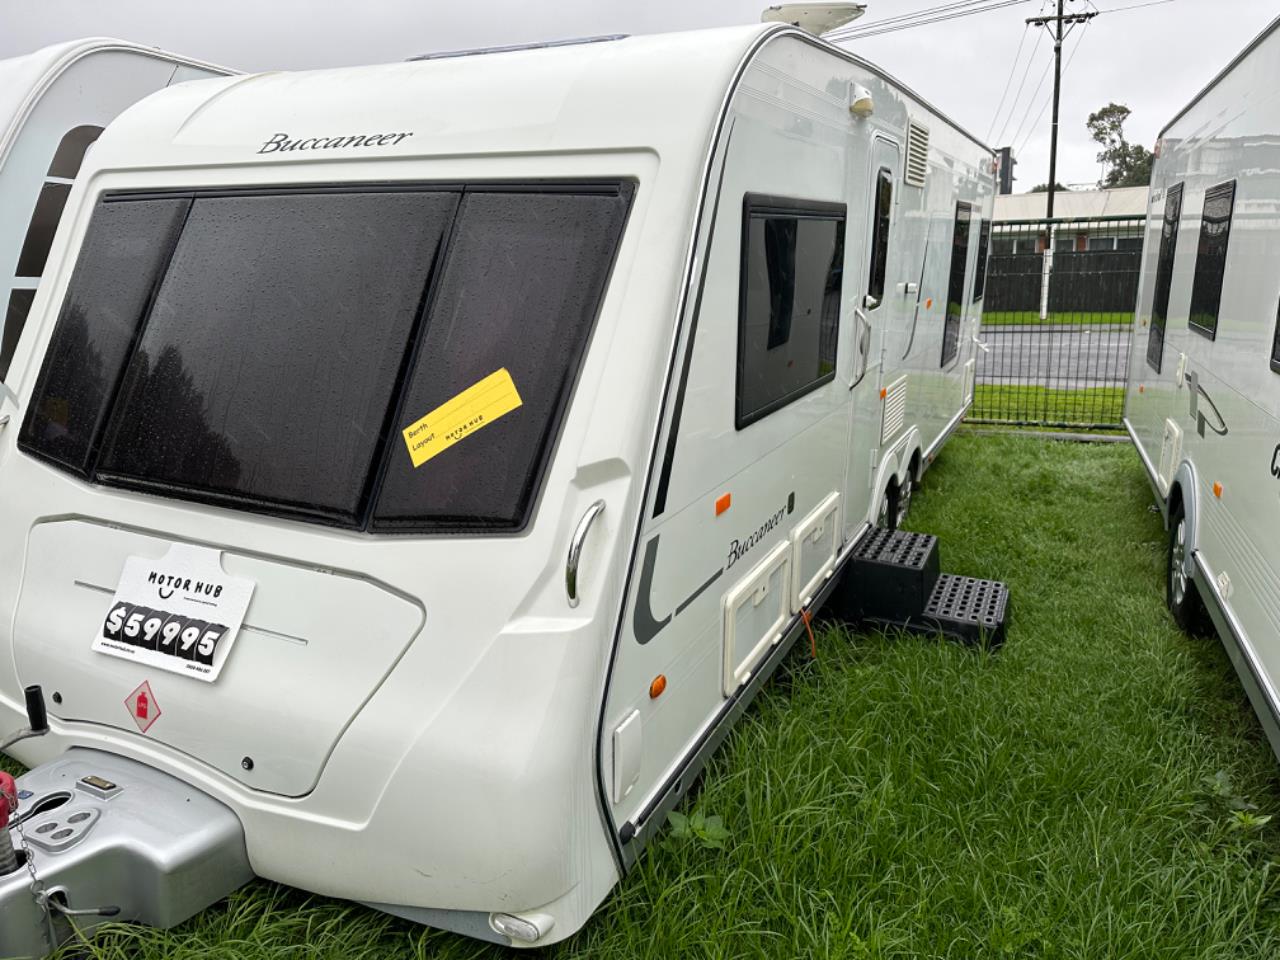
{"x": 1075, "y": 795}
{"x": 1037, "y": 405}
{"x": 1000, "y": 318}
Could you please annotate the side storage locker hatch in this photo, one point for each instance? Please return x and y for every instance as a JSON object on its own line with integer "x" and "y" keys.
{"x": 813, "y": 551}
{"x": 755, "y": 611}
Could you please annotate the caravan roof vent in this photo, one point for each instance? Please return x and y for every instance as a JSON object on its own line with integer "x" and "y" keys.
{"x": 815, "y": 18}
{"x": 917, "y": 154}
{"x": 509, "y": 48}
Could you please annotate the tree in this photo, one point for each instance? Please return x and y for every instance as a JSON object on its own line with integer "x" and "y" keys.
{"x": 1128, "y": 164}
{"x": 1044, "y": 188}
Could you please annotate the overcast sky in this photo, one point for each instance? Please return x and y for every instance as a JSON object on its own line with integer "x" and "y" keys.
{"x": 1153, "y": 59}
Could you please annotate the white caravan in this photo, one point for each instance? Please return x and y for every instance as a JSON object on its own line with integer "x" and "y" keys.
{"x": 53, "y": 105}
{"x": 413, "y": 470}
{"x": 1203, "y": 402}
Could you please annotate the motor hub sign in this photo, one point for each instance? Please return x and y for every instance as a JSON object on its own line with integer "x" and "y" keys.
{"x": 180, "y": 613}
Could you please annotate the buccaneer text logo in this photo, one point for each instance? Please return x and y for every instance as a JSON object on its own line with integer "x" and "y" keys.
{"x": 281, "y": 142}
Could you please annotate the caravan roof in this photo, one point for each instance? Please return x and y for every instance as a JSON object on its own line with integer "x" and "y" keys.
{"x": 649, "y": 92}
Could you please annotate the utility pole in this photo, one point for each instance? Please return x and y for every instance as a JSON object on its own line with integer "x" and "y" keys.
{"x": 1059, "y": 35}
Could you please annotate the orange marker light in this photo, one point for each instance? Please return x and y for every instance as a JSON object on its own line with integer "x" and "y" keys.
{"x": 883, "y": 393}
{"x": 722, "y": 504}
{"x": 1217, "y": 489}
{"x": 1142, "y": 388}
{"x": 659, "y": 684}
{"x": 928, "y": 304}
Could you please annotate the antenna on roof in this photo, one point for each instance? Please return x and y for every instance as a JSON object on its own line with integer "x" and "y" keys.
{"x": 816, "y": 18}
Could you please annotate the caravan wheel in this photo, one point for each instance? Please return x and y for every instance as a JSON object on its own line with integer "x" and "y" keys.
{"x": 1181, "y": 594}
{"x": 887, "y": 516}
{"x": 903, "y": 500}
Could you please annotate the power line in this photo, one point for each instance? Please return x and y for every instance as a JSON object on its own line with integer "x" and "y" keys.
{"x": 913, "y": 15}
{"x": 1134, "y": 6}
{"x": 876, "y": 29}
{"x": 1013, "y": 68}
{"x": 1031, "y": 102}
{"x": 1013, "y": 107}
{"x": 1045, "y": 106}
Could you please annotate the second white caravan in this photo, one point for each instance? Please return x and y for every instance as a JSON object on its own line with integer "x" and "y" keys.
{"x": 54, "y": 103}
{"x": 1203, "y": 403}
{"x": 424, "y": 464}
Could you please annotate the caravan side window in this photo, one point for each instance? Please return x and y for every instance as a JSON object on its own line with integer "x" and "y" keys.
{"x": 788, "y": 301}
{"x": 980, "y": 274}
{"x": 1164, "y": 276}
{"x": 39, "y": 238}
{"x": 955, "y": 285}
{"x": 880, "y": 237}
{"x": 1211, "y": 258}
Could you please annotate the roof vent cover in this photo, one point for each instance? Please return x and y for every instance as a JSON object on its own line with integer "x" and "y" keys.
{"x": 917, "y": 154}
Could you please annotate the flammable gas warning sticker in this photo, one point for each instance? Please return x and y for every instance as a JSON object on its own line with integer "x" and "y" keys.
{"x": 473, "y": 409}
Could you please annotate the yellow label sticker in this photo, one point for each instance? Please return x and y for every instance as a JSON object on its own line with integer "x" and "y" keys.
{"x": 475, "y": 407}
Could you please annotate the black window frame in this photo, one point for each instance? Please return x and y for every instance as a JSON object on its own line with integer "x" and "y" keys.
{"x": 952, "y": 321}
{"x": 755, "y": 205}
{"x": 1206, "y": 281}
{"x": 625, "y": 187}
{"x": 1275, "y": 345}
{"x": 878, "y": 261}
{"x": 980, "y": 269}
{"x": 1170, "y": 227}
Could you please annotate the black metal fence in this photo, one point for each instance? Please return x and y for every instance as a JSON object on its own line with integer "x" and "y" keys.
{"x": 1057, "y": 316}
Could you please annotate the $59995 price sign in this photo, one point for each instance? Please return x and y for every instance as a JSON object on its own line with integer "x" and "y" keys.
{"x": 180, "y": 613}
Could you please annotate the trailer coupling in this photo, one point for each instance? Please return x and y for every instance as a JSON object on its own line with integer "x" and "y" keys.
{"x": 97, "y": 837}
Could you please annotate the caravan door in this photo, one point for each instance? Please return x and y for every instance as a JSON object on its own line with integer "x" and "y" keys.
{"x": 873, "y": 308}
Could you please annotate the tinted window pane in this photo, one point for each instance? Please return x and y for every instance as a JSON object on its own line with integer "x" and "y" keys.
{"x": 980, "y": 272}
{"x": 44, "y": 222}
{"x": 1164, "y": 276}
{"x": 123, "y": 253}
{"x": 266, "y": 369}
{"x": 70, "y": 152}
{"x": 1275, "y": 346}
{"x": 1211, "y": 258}
{"x": 520, "y": 289}
{"x": 880, "y": 236}
{"x": 955, "y": 283}
{"x": 789, "y": 307}
{"x": 14, "y": 321}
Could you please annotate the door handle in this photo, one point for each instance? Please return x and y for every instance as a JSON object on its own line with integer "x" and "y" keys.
{"x": 980, "y": 343}
{"x": 4, "y": 420}
{"x": 575, "y": 551}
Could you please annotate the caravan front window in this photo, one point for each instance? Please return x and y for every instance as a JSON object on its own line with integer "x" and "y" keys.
{"x": 788, "y": 301}
{"x": 267, "y": 350}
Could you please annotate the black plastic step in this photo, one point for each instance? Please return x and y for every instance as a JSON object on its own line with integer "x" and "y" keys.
{"x": 968, "y": 608}
{"x": 892, "y": 574}
{"x": 893, "y": 580}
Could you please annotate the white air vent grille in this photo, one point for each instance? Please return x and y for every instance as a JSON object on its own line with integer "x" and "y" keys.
{"x": 895, "y": 410}
{"x": 1170, "y": 454}
{"x": 968, "y": 383}
{"x": 917, "y": 154}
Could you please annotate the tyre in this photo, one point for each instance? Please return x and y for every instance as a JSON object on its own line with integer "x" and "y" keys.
{"x": 887, "y": 516}
{"x": 1181, "y": 595}
{"x": 902, "y": 502}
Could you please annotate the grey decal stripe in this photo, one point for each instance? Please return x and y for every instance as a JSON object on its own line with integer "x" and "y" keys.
{"x": 700, "y": 591}
{"x": 645, "y": 624}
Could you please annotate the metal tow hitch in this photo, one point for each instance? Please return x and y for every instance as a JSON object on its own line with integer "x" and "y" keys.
{"x": 91, "y": 836}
